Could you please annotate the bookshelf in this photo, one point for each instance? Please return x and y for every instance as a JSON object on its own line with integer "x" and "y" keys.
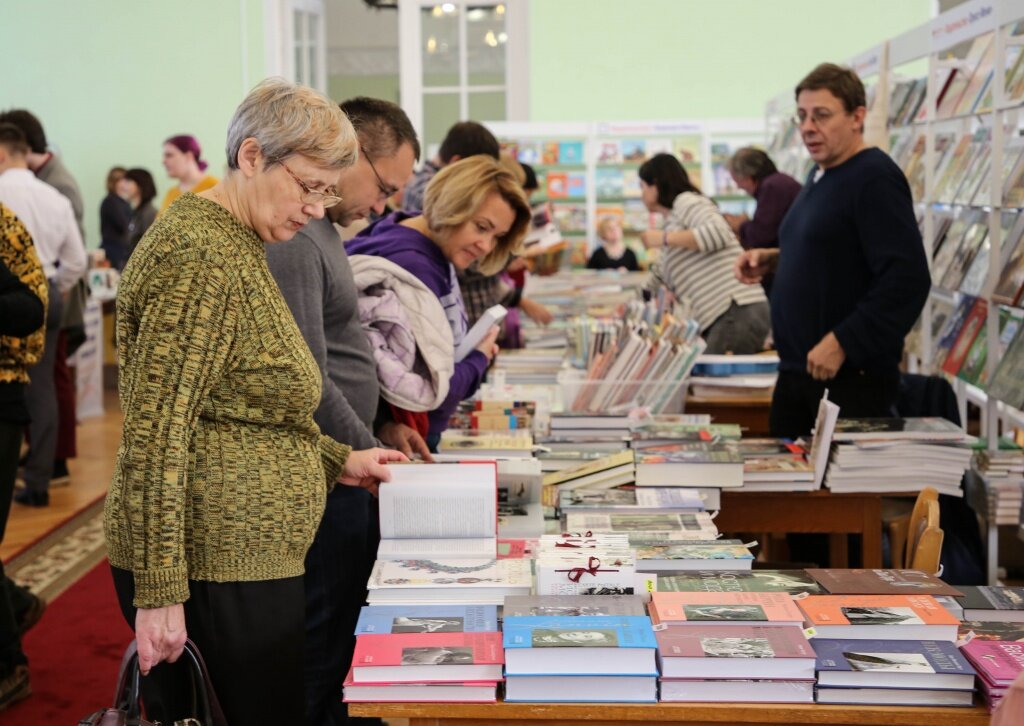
{"x": 589, "y": 170}
{"x": 945, "y": 100}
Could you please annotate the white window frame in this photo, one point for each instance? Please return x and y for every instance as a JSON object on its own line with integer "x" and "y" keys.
{"x": 516, "y": 86}
{"x": 279, "y": 37}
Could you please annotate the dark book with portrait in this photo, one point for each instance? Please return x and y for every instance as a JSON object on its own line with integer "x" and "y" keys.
{"x": 993, "y": 604}
{"x": 927, "y": 428}
{"x": 881, "y": 582}
{"x": 793, "y": 582}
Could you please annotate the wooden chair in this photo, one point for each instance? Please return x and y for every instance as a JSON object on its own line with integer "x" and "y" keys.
{"x": 916, "y": 539}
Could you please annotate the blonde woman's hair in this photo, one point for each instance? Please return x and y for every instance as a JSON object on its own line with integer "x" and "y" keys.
{"x": 604, "y": 223}
{"x": 455, "y": 194}
{"x": 513, "y": 167}
{"x": 287, "y": 119}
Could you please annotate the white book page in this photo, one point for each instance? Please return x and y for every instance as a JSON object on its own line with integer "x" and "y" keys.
{"x": 824, "y": 426}
{"x": 408, "y": 549}
{"x": 427, "y": 501}
{"x": 491, "y": 317}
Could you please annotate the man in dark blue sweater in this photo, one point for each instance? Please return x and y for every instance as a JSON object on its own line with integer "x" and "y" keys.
{"x": 851, "y": 273}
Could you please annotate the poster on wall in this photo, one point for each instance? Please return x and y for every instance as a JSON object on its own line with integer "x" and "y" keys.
{"x": 88, "y": 364}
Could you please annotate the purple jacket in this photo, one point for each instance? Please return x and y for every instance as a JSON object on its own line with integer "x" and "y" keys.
{"x": 416, "y": 253}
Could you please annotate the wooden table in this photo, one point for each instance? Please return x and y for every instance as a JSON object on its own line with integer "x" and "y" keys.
{"x": 838, "y": 515}
{"x": 691, "y": 714}
{"x": 750, "y": 412}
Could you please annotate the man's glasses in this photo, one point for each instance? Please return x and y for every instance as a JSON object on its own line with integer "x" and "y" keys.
{"x": 818, "y": 116}
{"x": 385, "y": 190}
{"x": 310, "y": 196}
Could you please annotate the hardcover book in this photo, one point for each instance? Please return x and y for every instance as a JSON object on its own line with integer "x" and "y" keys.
{"x": 793, "y": 582}
{"x": 684, "y": 525}
{"x": 462, "y": 692}
{"x": 427, "y": 657}
{"x": 384, "y": 619}
{"x": 990, "y": 630}
{"x": 693, "y": 556}
{"x": 881, "y": 582}
{"x": 715, "y": 651}
{"x": 930, "y": 428}
{"x": 689, "y": 464}
{"x": 467, "y": 581}
{"x": 664, "y": 499}
{"x": 574, "y": 605}
{"x": 1001, "y": 604}
{"x": 581, "y": 645}
{"x": 998, "y": 663}
{"x": 892, "y": 664}
{"x": 724, "y": 608}
{"x": 882, "y": 617}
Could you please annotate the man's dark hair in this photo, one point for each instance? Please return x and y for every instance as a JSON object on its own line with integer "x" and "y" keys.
{"x": 382, "y": 126}
{"x": 144, "y": 180}
{"x": 13, "y": 139}
{"x": 666, "y": 173}
{"x": 751, "y": 163}
{"x": 530, "y": 185}
{"x": 468, "y": 138}
{"x": 30, "y": 127}
{"x": 841, "y": 82}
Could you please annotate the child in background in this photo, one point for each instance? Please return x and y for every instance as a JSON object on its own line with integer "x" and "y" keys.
{"x": 613, "y": 254}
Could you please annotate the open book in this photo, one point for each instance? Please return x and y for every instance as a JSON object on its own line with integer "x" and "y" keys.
{"x": 439, "y": 511}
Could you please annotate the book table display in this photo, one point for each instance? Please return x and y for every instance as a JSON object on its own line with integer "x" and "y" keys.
{"x": 692, "y": 714}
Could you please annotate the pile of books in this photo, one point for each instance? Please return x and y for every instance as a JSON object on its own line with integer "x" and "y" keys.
{"x": 1003, "y": 475}
{"x": 734, "y": 376}
{"x": 998, "y": 663}
{"x": 732, "y": 646}
{"x": 587, "y": 563}
{"x": 584, "y": 648}
{"x": 426, "y": 653}
{"x": 898, "y": 455}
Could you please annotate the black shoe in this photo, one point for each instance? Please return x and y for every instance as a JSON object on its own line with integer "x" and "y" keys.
{"x": 32, "y": 498}
{"x": 60, "y": 477}
{"x": 14, "y": 687}
{"x": 31, "y": 615}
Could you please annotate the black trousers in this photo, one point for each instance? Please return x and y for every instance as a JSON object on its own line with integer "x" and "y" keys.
{"x": 11, "y": 654}
{"x": 858, "y": 394}
{"x": 250, "y": 635}
{"x": 337, "y": 568}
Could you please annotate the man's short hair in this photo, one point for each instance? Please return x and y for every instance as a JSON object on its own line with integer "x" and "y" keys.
{"x": 382, "y": 126}
{"x": 841, "y": 82}
{"x": 468, "y": 138}
{"x": 12, "y": 139}
{"x": 751, "y": 163}
{"x": 30, "y": 127}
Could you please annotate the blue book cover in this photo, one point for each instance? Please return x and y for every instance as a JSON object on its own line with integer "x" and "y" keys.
{"x": 890, "y": 656}
{"x": 582, "y": 631}
{"x": 570, "y": 152}
{"x": 386, "y": 619}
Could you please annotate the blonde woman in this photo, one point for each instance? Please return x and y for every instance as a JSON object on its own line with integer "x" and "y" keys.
{"x": 474, "y": 211}
{"x": 222, "y": 474}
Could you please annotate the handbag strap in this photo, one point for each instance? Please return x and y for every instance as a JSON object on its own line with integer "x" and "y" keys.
{"x": 127, "y": 693}
{"x": 206, "y": 697}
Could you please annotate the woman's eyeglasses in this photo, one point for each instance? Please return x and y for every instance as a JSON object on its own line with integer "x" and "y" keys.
{"x": 310, "y": 196}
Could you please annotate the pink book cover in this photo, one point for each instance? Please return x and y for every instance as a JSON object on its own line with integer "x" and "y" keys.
{"x": 350, "y": 681}
{"x": 428, "y": 649}
{"x": 517, "y": 549}
{"x": 706, "y": 608}
{"x": 997, "y": 662}
{"x": 737, "y": 641}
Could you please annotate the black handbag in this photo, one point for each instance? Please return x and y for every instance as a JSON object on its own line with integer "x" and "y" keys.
{"x": 127, "y": 708}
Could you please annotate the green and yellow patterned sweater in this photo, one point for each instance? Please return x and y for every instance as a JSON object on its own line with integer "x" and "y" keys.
{"x": 221, "y": 474}
{"x": 17, "y": 355}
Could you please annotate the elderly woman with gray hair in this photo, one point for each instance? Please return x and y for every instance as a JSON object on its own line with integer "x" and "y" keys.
{"x": 221, "y": 475}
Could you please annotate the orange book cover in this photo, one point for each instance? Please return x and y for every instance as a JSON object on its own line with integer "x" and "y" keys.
{"x": 824, "y": 610}
{"x": 723, "y": 608}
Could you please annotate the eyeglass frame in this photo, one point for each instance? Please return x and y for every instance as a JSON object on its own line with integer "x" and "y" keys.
{"x": 385, "y": 190}
{"x": 817, "y": 116}
{"x": 311, "y": 196}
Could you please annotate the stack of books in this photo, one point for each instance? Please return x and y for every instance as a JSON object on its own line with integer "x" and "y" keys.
{"x": 993, "y": 604}
{"x": 667, "y": 527}
{"x": 734, "y": 376}
{"x": 732, "y": 646}
{"x": 998, "y": 663}
{"x": 1003, "y": 473}
{"x": 898, "y": 455}
{"x": 726, "y": 555}
{"x": 426, "y": 653}
{"x": 493, "y": 415}
{"x": 518, "y": 442}
{"x": 792, "y": 582}
{"x": 526, "y": 366}
{"x": 606, "y": 472}
{"x": 690, "y": 464}
{"x": 578, "y": 425}
{"x": 589, "y": 648}
{"x": 587, "y": 563}
{"x": 776, "y": 465}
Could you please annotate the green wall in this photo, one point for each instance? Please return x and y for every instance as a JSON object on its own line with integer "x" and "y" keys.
{"x": 692, "y": 59}
{"x": 111, "y": 79}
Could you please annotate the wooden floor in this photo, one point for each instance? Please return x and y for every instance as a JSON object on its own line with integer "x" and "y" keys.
{"x": 98, "y": 439}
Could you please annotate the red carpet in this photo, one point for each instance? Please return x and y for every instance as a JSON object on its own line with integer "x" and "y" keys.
{"x": 74, "y": 654}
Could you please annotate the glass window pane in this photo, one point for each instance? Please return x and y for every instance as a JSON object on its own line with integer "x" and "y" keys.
{"x": 300, "y": 58}
{"x": 487, "y": 106}
{"x": 440, "y": 45}
{"x": 486, "y": 43}
{"x": 312, "y": 46}
{"x": 298, "y": 30}
{"x": 440, "y": 111}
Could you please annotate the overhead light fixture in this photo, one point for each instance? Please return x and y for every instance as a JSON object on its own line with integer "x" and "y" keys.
{"x": 499, "y": 9}
{"x": 490, "y": 39}
{"x": 448, "y": 7}
{"x": 437, "y": 11}
{"x": 431, "y": 44}
{"x": 476, "y": 14}
{"x": 503, "y": 37}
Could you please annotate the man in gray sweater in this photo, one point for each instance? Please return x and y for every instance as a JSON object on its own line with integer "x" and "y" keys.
{"x": 316, "y": 280}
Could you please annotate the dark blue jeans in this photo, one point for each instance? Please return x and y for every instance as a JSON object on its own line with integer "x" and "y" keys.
{"x": 337, "y": 568}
